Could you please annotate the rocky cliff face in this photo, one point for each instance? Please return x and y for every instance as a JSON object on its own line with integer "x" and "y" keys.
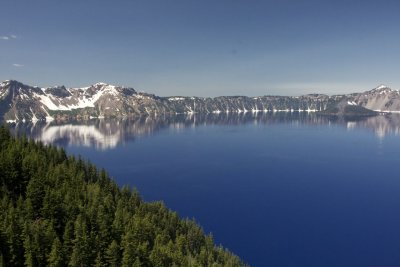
{"x": 22, "y": 102}
{"x": 382, "y": 98}
{"x": 19, "y": 102}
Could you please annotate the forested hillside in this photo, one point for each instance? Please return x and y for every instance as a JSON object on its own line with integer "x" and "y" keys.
{"x": 58, "y": 210}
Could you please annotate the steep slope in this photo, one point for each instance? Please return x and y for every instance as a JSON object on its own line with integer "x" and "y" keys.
{"x": 17, "y": 99}
{"x": 22, "y": 102}
{"x": 19, "y": 102}
{"x": 382, "y": 98}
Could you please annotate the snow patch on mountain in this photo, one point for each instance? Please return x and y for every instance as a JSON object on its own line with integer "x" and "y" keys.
{"x": 383, "y": 89}
{"x": 176, "y": 98}
{"x": 82, "y": 101}
{"x": 351, "y": 103}
{"x": 46, "y": 101}
{"x": 382, "y": 86}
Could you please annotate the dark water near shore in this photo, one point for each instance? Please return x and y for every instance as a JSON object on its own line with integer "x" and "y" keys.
{"x": 276, "y": 189}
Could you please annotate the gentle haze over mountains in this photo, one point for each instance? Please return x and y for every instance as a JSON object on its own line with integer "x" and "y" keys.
{"x": 203, "y": 48}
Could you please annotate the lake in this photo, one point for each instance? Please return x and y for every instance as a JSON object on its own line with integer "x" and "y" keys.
{"x": 276, "y": 189}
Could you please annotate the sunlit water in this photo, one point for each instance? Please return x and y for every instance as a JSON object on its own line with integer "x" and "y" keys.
{"x": 277, "y": 190}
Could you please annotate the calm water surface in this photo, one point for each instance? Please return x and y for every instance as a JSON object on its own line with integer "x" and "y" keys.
{"x": 277, "y": 190}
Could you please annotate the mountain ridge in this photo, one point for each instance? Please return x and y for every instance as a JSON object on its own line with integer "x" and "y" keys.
{"x": 21, "y": 102}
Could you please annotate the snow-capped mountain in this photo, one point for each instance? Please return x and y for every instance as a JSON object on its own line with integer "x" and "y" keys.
{"x": 19, "y": 102}
{"x": 22, "y": 102}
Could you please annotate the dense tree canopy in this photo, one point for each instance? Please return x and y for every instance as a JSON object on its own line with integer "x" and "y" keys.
{"x": 58, "y": 210}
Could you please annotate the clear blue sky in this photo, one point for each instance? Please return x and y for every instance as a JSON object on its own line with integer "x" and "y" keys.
{"x": 203, "y": 48}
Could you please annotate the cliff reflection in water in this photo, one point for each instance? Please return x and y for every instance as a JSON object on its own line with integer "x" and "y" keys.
{"x": 107, "y": 134}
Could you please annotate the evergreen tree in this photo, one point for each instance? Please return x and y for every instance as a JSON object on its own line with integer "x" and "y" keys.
{"x": 56, "y": 254}
{"x": 56, "y": 210}
{"x": 113, "y": 254}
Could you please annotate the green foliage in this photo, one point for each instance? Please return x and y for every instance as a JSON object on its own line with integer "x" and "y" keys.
{"x": 57, "y": 210}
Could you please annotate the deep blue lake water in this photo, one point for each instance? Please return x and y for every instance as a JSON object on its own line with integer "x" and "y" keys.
{"x": 277, "y": 190}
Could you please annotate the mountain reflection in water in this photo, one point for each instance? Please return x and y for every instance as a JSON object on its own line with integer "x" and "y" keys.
{"x": 107, "y": 134}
